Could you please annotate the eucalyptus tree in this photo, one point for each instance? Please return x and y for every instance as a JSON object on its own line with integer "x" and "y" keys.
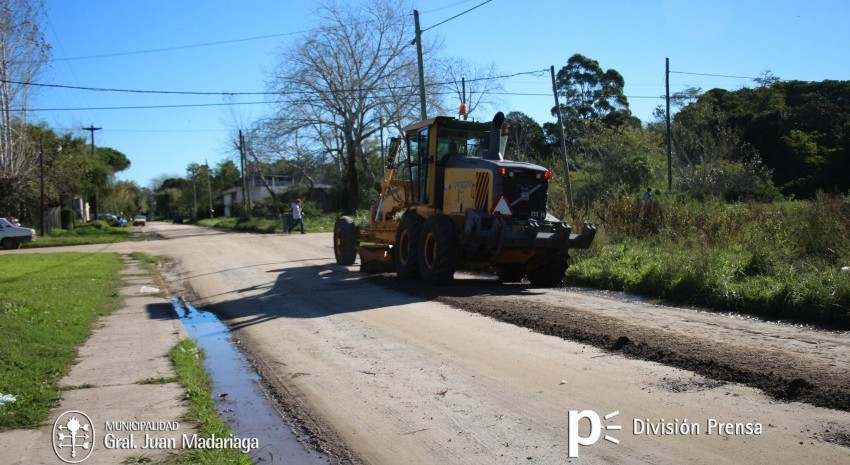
{"x": 591, "y": 96}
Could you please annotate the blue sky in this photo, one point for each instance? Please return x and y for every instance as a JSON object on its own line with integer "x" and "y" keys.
{"x": 793, "y": 39}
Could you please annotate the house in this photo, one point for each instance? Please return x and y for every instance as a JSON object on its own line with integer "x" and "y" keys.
{"x": 257, "y": 190}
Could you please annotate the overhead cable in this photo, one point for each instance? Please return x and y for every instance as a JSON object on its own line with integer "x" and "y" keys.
{"x": 456, "y": 16}
{"x": 227, "y": 94}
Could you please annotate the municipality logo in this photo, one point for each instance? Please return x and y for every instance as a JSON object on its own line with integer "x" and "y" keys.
{"x": 73, "y": 436}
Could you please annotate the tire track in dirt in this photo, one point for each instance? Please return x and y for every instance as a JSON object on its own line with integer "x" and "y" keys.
{"x": 780, "y": 377}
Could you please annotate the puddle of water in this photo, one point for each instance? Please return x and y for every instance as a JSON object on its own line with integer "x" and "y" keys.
{"x": 238, "y": 394}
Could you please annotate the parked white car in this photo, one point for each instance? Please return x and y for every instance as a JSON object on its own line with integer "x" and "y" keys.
{"x": 11, "y": 236}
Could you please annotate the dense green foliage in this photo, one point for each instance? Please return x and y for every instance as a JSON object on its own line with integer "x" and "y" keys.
{"x": 70, "y": 170}
{"x": 48, "y": 303}
{"x": 781, "y": 260}
{"x": 798, "y": 130}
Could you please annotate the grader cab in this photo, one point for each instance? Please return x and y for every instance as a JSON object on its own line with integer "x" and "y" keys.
{"x": 451, "y": 201}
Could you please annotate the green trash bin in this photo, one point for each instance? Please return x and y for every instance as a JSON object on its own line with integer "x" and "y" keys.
{"x": 287, "y": 221}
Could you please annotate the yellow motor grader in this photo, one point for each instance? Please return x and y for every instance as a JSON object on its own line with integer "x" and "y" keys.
{"x": 451, "y": 201}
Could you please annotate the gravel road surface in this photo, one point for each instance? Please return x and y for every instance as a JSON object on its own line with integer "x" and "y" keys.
{"x": 388, "y": 372}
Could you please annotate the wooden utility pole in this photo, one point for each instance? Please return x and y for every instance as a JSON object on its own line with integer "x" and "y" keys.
{"x": 563, "y": 140}
{"x": 422, "y": 110}
{"x": 209, "y": 188}
{"x": 669, "y": 143}
{"x": 463, "y": 97}
{"x": 246, "y": 203}
{"x": 92, "y": 129}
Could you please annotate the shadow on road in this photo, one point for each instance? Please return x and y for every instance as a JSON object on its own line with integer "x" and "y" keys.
{"x": 322, "y": 290}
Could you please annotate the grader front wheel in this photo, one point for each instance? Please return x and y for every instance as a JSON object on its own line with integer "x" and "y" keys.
{"x": 406, "y": 249}
{"x": 439, "y": 249}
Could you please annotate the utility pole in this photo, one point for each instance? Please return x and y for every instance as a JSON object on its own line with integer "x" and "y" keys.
{"x": 41, "y": 169}
{"x": 246, "y": 199}
{"x": 563, "y": 139}
{"x": 194, "y": 193}
{"x": 209, "y": 187}
{"x": 92, "y": 129}
{"x": 669, "y": 144}
{"x": 418, "y": 40}
{"x": 463, "y": 97}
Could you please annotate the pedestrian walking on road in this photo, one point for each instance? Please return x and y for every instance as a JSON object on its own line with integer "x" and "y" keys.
{"x": 297, "y": 216}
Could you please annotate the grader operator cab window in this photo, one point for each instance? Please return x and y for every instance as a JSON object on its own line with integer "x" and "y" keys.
{"x": 460, "y": 142}
{"x": 417, "y": 156}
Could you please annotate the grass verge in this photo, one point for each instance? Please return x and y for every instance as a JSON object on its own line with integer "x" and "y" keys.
{"x": 784, "y": 260}
{"x": 188, "y": 358}
{"x": 48, "y": 303}
{"x": 98, "y": 232}
{"x": 317, "y": 222}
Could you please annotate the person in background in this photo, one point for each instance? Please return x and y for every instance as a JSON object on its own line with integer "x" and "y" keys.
{"x": 297, "y": 216}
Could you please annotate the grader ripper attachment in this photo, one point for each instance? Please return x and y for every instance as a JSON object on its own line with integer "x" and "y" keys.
{"x": 452, "y": 202}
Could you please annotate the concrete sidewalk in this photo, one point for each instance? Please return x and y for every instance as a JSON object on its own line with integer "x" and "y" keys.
{"x": 125, "y": 348}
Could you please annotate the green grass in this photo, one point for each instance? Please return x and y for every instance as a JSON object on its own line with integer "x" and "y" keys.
{"x": 188, "y": 363}
{"x": 323, "y": 222}
{"x": 48, "y": 303}
{"x": 149, "y": 263}
{"x": 779, "y": 260}
{"x": 97, "y": 232}
{"x": 159, "y": 380}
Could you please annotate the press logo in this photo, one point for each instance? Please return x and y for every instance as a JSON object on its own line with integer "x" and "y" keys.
{"x": 575, "y": 437}
{"x": 73, "y": 436}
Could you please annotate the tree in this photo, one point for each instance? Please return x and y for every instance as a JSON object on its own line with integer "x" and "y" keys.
{"x": 479, "y": 85}
{"x": 115, "y": 159}
{"x": 526, "y": 141}
{"x": 127, "y": 198}
{"x": 171, "y": 198}
{"x": 23, "y": 54}
{"x": 591, "y": 95}
{"x": 341, "y": 79}
{"x": 798, "y": 130}
{"x": 226, "y": 175}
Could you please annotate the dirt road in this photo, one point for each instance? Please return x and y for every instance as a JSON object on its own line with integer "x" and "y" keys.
{"x": 480, "y": 373}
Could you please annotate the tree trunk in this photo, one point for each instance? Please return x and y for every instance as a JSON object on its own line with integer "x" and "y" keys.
{"x": 352, "y": 182}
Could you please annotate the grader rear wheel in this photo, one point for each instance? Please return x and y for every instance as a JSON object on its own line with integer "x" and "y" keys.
{"x": 549, "y": 275}
{"x": 345, "y": 241}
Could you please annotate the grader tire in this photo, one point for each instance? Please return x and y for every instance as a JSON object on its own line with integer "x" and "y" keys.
{"x": 406, "y": 249}
{"x": 513, "y": 274}
{"x": 439, "y": 249}
{"x": 345, "y": 241}
{"x": 549, "y": 275}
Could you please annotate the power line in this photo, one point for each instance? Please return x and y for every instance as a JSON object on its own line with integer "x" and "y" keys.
{"x": 228, "y": 94}
{"x": 457, "y": 15}
{"x": 182, "y": 47}
{"x": 147, "y": 107}
{"x": 713, "y": 75}
{"x": 445, "y": 7}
